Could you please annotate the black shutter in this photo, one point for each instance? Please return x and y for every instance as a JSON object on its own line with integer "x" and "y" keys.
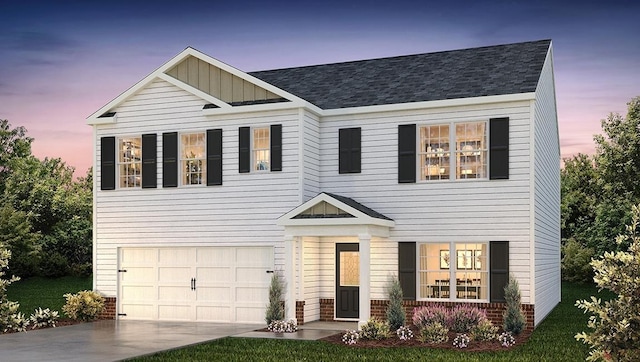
{"x": 149, "y": 155}
{"x": 407, "y": 269}
{"x": 244, "y": 149}
{"x": 170, "y": 159}
{"x": 214, "y": 157}
{"x": 107, "y": 163}
{"x": 349, "y": 150}
{"x": 407, "y": 153}
{"x": 499, "y": 148}
{"x": 276, "y": 147}
{"x": 499, "y": 269}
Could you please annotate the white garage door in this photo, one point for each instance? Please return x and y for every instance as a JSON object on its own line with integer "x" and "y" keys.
{"x": 214, "y": 284}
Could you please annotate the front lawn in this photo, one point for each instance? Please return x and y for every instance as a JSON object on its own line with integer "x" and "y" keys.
{"x": 552, "y": 341}
{"x": 45, "y": 292}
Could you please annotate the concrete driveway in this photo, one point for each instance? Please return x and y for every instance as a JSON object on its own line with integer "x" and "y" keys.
{"x": 110, "y": 340}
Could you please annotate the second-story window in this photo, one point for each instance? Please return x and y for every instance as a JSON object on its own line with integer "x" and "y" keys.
{"x": 130, "y": 162}
{"x": 260, "y": 150}
{"x": 192, "y": 158}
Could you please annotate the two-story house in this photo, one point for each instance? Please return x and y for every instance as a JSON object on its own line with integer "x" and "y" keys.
{"x": 441, "y": 169}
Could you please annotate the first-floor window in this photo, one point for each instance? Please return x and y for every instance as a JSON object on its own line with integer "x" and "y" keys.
{"x": 130, "y": 162}
{"x": 453, "y": 270}
{"x": 192, "y": 158}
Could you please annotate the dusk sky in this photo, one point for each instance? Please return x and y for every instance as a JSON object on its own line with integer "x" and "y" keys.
{"x": 62, "y": 60}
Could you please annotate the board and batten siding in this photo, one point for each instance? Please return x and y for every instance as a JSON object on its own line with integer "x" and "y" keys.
{"x": 546, "y": 195}
{"x": 241, "y": 212}
{"x": 437, "y": 211}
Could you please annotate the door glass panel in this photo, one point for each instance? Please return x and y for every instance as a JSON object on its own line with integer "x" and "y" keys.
{"x": 349, "y": 269}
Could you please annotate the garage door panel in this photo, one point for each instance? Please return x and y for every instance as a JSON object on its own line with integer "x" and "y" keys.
{"x": 139, "y": 256}
{"x": 214, "y": 313}
{"x": 252, "y": 275}
{"x": 144, "y": 275}
{"x": 177, "y": 293}
{"x": 139, "y": 311}
{"x": 215, "y": 256}
{"x": 174, "y": 312}
{"x": 251, "y": 294}
{"x": 175, "y": 274}
{"x": 214, "y": 294}
{"x": 249, "y": 315}
{"x": 260, "y": 257}
{"x": 175, "y": 256}
{"x": 138, "y": 292}
{"x": 213, "y": 275}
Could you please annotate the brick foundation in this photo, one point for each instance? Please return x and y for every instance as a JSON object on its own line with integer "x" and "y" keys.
{"x": 300, "y": 311}
{"x": 379, "y": 310}
{"x": 109, "y": 308}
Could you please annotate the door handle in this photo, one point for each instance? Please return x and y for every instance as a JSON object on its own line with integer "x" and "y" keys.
{"x": 193, "y": 283}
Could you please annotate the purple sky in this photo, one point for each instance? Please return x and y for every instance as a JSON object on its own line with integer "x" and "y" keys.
{"x": 62, "y": 60}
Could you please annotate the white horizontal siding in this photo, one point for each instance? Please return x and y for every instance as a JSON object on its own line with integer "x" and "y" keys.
{"x": 546, "y": 195}
{"x": 465, "y": 210}
{"x": 243, "y": 211}
{"x": 311, "y": 158}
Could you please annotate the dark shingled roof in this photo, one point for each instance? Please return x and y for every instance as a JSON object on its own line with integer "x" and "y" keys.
{"x": 358, "y": 206}
{"x": 485, "y": 71}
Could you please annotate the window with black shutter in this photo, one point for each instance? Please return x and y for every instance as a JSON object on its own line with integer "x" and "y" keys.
{"x": 499, "y": 148}
{"x": 107, "y": 163}
{"x": 149, "y": 155}
{"x": 276, "y": 147}
{"x": 349, "y": 149}
{"x": 244, "y": 149}
{"x": 170, "y": 159}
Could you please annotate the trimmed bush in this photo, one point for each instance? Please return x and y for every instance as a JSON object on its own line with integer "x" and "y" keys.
{"x": 375, "y": 329}
{"x": 433, "y": 333}
{"x": 426, "y": 315}
{"x": 85, "y": 305}
{"x": 484, "y": 331}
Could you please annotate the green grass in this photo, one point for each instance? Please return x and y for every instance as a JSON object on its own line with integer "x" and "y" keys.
{"x": 45, "y": 292}
{"x": 553, "y": 340}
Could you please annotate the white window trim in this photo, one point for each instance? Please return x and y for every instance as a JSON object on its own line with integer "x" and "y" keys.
{"x": 453, "y": 297}
{"x": 253, "y": 150}
{"x": 452, "y": 152}
{"x": 181, "y": 159}
{"x": 120, "y": 163}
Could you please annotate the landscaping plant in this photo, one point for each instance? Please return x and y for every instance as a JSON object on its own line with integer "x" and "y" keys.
{"x": 513, "y": 320}
{"x": 404, "y": 333}
{"x": 43, "y": 318}
{"x": 464, "y": 317}
{"x": 426, "y": 315}
{"x": 396, "y": 315}
{"x": 615, "y": 324}
{"x": 281, "y": 326}
{"x": 85, "y": 305}
{"x": 484, "y": 331}
{"x": 10, "y": 318}
{"x": 375, "y": 329}
{"x": 275, "y": 308}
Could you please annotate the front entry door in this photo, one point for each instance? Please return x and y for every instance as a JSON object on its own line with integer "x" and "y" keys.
{"x": 347, "y": 280}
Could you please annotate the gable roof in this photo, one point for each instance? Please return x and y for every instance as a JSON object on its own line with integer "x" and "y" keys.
{"x": 485, "y": 71}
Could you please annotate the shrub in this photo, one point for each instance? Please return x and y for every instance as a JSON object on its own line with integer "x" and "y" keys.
{"x": 351, "y": 336}
{"x": 43, "y": 318}
{"x": 10, "y": 319}
{"x": 404, "y": 333}
{"x": 464, "y": 317}
{"x": 423, "y": 316}
{"x": 375, "y": 329}
{"x": 513, "y": 318}
{"x": 55, "y": 265}
{"x": 575, "y": 262}
{"x": 615, "y": 324}
{"x": 85, "y": 305}
{"x": 396, "y": 316}
{"x": 484, "y": 331}
{"x": 16, "y": 322}
{"x": 275, "y": 308}
{"x": 461, "y": 341}
{"x": 289, "y": 326}
{"x": 433, "y": 333}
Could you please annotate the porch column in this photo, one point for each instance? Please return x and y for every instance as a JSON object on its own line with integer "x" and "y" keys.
{"x": 365, "y": 278}
{"x": 289, "y": 276}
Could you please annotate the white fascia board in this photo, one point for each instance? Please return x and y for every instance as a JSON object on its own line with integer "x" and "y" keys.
{"x": 141, "y": 84}
{"x": 430, "y": 104}
{"x": 102, "y": 120}
{"x": 252, "y": 108}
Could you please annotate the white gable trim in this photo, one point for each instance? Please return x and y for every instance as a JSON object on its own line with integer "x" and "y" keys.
{"x": 359, "y": 218}
{"x": 160, "y": 73}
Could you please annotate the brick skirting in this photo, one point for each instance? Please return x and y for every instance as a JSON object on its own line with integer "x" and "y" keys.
{"x": 379, "y": 310}
{"x": 109, "y": 308}
{"x": 300, "y": 311}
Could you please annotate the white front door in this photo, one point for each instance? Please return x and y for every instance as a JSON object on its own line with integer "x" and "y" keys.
{"x": 222, "y": 284}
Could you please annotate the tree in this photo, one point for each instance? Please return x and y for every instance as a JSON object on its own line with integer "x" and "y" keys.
{"x": 615, "y": 324}
{"x": 16, "y": 235}
{"x": 396, "y": 314}
{"x": 580, "y": 195}
{"x": 14, "y": 144}
{"x": 513, "y": 319}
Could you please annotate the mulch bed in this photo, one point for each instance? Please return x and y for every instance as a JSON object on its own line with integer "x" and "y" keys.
{"x": 473, "y": 346}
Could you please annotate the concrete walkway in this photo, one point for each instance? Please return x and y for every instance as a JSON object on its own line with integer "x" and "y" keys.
{"x": 110, "y": 340}
{"x": 311, "y": 331}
